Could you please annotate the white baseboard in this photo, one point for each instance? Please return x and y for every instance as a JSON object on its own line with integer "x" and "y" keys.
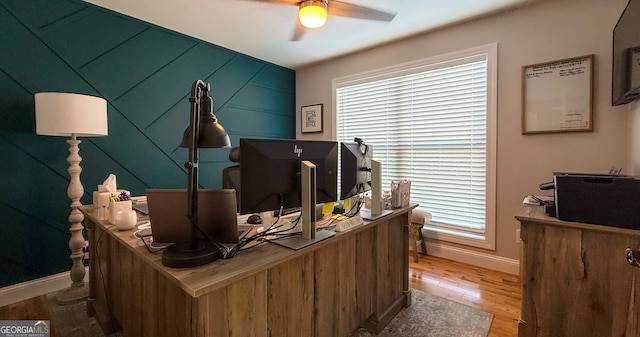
{"x": 25, "y": 290}
{"x": 493, "y": 262}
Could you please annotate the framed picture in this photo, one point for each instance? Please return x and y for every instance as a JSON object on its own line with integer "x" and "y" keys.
{"x": 311, "y": 117}
{"x": 558, "y": 96}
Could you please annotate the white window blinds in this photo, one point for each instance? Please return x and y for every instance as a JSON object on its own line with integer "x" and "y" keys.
{"x": 427, "y": 124}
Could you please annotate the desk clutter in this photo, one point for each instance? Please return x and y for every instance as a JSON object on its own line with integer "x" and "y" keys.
{"x": 252, "y": 229}
{"x": 160, "y": 217}
{"x": 114, "y": 205}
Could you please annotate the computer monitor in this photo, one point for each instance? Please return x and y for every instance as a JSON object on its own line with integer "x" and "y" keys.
{"x": 270, "y": 171}
{"x": 355, "y": 169}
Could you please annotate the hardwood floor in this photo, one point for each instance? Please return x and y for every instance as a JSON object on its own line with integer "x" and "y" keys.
{"x": 492, "y": 291}
{"x": 30, "y": 309}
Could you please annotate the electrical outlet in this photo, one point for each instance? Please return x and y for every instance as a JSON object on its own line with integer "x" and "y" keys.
{"x": 518, "y": 240}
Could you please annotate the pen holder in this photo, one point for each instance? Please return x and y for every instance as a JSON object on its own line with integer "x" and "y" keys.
{"x": 118, "y": 206}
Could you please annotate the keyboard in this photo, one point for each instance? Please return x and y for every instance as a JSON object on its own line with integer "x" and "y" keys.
{"x": 349, "y": 223}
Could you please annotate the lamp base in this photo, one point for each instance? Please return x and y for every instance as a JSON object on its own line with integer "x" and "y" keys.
{"x": 181, "y": 255}
{"x": 72, "y": 295}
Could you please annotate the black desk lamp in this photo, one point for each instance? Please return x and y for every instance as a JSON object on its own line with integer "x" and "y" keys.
{"x": 203, "y": 131}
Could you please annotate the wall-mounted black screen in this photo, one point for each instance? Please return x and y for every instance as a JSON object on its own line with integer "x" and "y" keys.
{"x": 626, "y": 40}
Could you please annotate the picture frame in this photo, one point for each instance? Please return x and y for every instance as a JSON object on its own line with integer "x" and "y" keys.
{"x": 557, "y": 96}
{"x": 311, "y": 118}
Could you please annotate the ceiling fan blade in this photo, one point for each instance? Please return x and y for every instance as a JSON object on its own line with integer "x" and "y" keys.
{"x": 340, "y": 8}
{"x": 298, "y": 31}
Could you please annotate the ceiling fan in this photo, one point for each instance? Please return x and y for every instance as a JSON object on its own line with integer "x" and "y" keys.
{"x": 313, "y": 13}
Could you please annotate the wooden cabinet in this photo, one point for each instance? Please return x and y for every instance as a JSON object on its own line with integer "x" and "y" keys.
{"x": 356, "y": 278}
{"x": 576, "y": 280}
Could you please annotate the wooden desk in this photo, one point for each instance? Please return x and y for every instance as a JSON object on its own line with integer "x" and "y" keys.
{"x": 575, "y": 278}
{"x": 356, "y": 278}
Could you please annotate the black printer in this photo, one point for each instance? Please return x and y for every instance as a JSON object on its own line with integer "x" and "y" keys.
{"x": 604, "y": 199}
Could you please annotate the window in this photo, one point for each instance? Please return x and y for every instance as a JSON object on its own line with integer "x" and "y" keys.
{"x": 433, "y": 122}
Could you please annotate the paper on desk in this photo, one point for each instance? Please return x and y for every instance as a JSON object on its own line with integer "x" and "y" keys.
{"x": 529, "y": 200}
{"x": 327, "y": 207}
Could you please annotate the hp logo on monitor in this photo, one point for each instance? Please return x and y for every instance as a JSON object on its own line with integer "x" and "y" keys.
{"x": 297, "y": 150}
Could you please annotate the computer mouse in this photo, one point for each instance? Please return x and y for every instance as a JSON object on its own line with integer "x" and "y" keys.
{"x": 254, "y": 219}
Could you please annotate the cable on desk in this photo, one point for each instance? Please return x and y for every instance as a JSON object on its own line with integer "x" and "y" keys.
{"x": 150, "y": 247}
{"x": 259, "y": 238}
{"x": 357, "y": 206}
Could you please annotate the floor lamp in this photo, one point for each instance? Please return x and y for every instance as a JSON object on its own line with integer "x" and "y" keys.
{"x": 72, "y": 115}
{"x": 203, "y": 131}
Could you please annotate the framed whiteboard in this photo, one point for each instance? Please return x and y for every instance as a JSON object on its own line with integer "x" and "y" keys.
{"x": 558, "y": 96}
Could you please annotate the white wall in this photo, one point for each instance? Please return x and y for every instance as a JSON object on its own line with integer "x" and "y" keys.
{"x": 543, "y": 32}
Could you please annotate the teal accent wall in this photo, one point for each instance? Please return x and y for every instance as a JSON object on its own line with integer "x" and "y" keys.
{"x": 145, "y": 73}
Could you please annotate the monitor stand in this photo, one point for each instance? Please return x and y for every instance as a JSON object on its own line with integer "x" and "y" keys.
{"x": 307, "y": 213}
{"x": 376, "y": 211}
{"x": 298, "y": 242}
{"x": 368, "y": 215}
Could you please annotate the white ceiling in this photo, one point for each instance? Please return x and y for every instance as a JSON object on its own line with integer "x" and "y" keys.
{"x": 263, "y": 30}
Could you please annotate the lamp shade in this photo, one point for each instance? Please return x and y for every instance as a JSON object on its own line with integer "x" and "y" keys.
{"x": 64, "y": 114}
{"x": 211, "y": 135}
{"x": 313, "y": 14}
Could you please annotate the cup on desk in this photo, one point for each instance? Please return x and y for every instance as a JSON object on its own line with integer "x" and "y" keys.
{"x": 126, "y": 220}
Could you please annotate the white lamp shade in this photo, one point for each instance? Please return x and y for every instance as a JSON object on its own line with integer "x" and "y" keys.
{"x": 64, "y": 114}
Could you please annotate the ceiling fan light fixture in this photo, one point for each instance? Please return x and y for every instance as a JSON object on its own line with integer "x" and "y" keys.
{"x": 312, "y": 13}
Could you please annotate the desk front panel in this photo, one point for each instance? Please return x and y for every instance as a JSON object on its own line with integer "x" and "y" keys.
{"x": 329, "y": 289}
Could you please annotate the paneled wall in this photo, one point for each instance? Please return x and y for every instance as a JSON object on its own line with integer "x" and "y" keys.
{"x": 145, "y": 72}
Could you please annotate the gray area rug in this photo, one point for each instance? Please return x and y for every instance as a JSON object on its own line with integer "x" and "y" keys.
{"x": 433, "y": 316}
{"x": 72, "y": 320}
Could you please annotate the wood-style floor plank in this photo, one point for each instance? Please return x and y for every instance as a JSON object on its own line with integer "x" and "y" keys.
{"x": 31, "y": 309}
{"x": 492, "y": 291}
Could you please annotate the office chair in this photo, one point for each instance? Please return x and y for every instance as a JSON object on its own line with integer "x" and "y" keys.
{"x": 231, "y": 174}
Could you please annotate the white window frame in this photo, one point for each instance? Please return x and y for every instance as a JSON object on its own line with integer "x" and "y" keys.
{"x": 486, "y": 240}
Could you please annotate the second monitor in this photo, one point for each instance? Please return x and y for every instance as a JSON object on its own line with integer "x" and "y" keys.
{"x": 355, "y": 168}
